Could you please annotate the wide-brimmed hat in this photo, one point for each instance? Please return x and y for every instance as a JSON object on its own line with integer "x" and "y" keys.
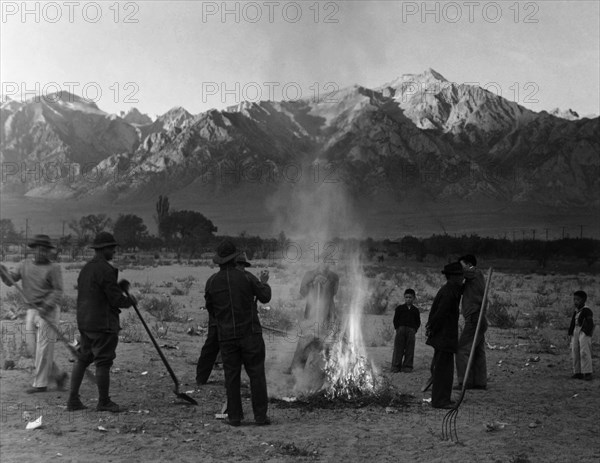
{"x": 242, "y": 259}
{"x": 453, "y": 268}
{"x": 226, "y": 251}
{"x": 41, "y": 240}
{"x": 103, "y": 240}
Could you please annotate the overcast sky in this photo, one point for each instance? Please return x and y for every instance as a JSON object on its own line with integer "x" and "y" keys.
{"x": 541, "y": 54}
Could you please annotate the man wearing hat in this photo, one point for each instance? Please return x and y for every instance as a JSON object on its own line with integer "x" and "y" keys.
{"x": 442, "y": 335}
{"x": 43, "y": 287}
{"x": 99, "y": 300}
{"x": 473, "y": 291}
{"x": 230, "y": 298}
{"x": 210, "y": 354}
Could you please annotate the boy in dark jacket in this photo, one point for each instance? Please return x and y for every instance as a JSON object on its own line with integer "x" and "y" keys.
{"x": 581, "y": 330}
{"x": 406, "y": 323}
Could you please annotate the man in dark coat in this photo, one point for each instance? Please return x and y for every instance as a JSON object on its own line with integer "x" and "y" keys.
{"x": 442, "y": 335}
{"x": 99, "y": 300}
{"x": 472, "y": 296}
{"x": 209, "y": 355}
{"x": 230, "y": 295}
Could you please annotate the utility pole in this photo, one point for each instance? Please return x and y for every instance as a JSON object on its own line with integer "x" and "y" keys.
{"x": 26, "y": 236}
{"x": 563, "y": 233}
{"x": 533, "y": 233}
{"x": 581, "y": 232}
{"x": 547, "y": 233}
{"x": 523, "y": 233}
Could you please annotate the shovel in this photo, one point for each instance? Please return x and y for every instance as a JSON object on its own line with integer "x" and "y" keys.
{"x": 181, "y": 395}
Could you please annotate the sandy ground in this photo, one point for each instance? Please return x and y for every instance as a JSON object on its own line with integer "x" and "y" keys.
{"x": 548, "y": 416}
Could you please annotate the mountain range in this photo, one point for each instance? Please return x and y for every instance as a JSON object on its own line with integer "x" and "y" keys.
{"x": 417, "y": 138}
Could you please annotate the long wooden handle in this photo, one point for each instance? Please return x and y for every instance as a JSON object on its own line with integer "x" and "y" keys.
{"x": 52, "y": 326}
{"x": 156, "y": 346}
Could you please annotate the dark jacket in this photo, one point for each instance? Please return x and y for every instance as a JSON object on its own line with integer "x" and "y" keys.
{"x": 308, "y": 289}
{"x": 442, "y": 325}
{"x": 403, "y": 316}
{"x": 230, "y": 296}
{"x": 585, "y": 320}
{"x": 99, "y": 297}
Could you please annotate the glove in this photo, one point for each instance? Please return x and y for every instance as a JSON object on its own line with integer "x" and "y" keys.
{"x": 3, "y": 274}
{"x": 124, "y": 285}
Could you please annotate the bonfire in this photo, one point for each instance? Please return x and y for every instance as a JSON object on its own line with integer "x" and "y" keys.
{"x": 348, "y": 371}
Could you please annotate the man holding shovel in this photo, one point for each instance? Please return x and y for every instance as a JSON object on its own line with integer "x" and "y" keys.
{"x": 42, "y": 289}
{"x": 99, "y": 300}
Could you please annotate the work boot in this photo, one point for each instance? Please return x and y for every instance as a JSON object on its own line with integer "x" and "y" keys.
{"x": 34, "y": 390}
{"x": 61, "y": 381}
{"x": 264, "y": 422}
{"x": 588, "y": 377}
{"x": 75, "y": 404}
{"x": 577, "y": 376}
{"x": 108, "y": 406}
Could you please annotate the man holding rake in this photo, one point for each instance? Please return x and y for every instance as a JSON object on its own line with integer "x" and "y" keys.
{"x": 42, "y": 289}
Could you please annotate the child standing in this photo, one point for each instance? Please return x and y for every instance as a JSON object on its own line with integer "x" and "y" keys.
{"x": 407, "y": 321}
{"x": 581, "y": 329}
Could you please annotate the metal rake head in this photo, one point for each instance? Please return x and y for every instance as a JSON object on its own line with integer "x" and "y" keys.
{"x": 449, "y": 425}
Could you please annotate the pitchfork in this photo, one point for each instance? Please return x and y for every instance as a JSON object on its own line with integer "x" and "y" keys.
{"x": 449, "y": 422}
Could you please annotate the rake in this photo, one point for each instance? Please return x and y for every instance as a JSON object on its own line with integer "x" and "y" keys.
{"x": 449, "y": 431}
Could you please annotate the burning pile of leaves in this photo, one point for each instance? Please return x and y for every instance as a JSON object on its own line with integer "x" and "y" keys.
{"x": 384, "y": 396}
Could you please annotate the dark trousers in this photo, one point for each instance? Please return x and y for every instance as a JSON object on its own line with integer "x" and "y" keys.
{"x": 208, "y": 356}
{"x": 100, "y": 348}
{"x": 404, "y": 349}
{"x": 478, "y": 373}
{"x": 442, "y": 371}
{"x": 250, "y": 352}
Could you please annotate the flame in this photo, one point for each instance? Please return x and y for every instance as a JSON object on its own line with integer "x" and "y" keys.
{"x": 348, "y": 370}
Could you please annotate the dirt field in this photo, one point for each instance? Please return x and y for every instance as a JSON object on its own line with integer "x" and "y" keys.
{"x": 547, "y": 416}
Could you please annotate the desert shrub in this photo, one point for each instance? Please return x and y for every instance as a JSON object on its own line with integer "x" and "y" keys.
{"x": 131, "y": 329}
{"x": 386, "y": 334}
{"x": 542, "y": 301}
{"x": 498, "y": 315}
{"x": 160, "y": 330}
{"x": 67, "y": 303}
{"x": 277, "y": 316}
{"x": 11, "y": 305}
{"x": 378, "y": 302}
{"x": 145, "y": 288}
{"x": 544, "y": 341}
{"x": 540, "y": 318}
{"x": 163, "y": 308}
{"x": 177, "y": 291}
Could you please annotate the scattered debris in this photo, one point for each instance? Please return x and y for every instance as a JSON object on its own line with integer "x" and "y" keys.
{"x": 35, "y": 424}
{"x": 426, "y": 401}
{"x": 533, "y": 425}
{"x": 289, "y": 399}
{"x": 221, "y": 416}
{"x": 9, "y": 365}
{"x": 170, "y": 346}
{"x": 496, "y": 347}
{"x": 190, "y": 392}
{"x": 390, "y": 410}
{"x": 574, "y": 395}
{"x": 494, "y": 426}
{"x": 144, "y": 373}
{"x": 102, "y": 429}
{"x": 533, "y": 359}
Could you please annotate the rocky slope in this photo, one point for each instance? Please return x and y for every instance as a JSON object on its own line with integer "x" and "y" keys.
{"x": 416, "y": 136}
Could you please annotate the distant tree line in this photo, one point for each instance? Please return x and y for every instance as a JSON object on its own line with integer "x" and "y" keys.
{"x": 190, "y": 234}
